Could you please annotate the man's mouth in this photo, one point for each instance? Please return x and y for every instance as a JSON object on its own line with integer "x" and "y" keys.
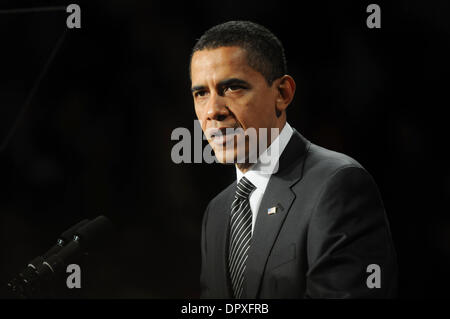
{"x": 221, "y": 136}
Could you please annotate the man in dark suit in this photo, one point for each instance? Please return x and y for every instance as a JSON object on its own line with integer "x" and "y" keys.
{"x": 311, "y": 223}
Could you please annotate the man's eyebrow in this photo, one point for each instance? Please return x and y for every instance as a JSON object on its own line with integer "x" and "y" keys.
{"x": 227, "y": 82}
{"x": 198, "y": 88}
{"x": 233, "y": 81}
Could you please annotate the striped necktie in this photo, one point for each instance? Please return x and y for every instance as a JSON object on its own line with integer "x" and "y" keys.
{"x": 240, "y": 235}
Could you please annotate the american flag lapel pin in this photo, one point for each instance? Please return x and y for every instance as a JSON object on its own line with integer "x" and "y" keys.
{"x": 272, "y": 210}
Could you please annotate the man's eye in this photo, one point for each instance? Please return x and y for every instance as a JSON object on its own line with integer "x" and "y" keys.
{"x": 200, "y": 93}
{"x": 233, "y": 88}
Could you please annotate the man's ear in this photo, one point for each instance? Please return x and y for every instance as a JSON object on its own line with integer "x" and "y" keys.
{"x": 286, "y": 91}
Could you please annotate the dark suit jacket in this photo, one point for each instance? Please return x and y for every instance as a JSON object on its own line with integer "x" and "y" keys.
{"x": 329, "y": 226}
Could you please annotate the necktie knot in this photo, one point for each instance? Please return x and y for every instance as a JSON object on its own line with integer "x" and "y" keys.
{"x": 244, "y": 188}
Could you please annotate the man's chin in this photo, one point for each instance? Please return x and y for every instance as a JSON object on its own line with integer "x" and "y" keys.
{"x": 226, "y": 156}
{"x": 231, "y": 156}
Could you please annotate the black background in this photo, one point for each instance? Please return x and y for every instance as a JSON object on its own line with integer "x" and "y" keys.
{"x": 96, "y": 137}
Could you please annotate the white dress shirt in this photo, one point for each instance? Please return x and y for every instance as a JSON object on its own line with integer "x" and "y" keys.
{"x": 259, "y": 174}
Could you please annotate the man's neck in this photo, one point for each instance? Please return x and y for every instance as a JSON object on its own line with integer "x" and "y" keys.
{"x": 245, "y": 167}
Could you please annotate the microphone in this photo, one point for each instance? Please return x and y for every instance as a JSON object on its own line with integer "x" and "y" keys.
{"x": 60, "y": 242}
{"x": 33, "y": 267}
{"x": 70, "y": 246}
{"x": 85, "y": 237}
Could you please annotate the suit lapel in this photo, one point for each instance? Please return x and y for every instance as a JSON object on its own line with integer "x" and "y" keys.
{"x": 278, "y": 194}
{"x": 222, "y": 242}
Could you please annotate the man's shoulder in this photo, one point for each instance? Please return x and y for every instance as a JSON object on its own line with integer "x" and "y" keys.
{"x": 306, "y": 158}
{"x": 323, "y": 165}
{"x": 322, "y": 159}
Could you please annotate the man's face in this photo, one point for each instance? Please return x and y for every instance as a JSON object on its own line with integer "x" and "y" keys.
{"x": 228, "y": 93}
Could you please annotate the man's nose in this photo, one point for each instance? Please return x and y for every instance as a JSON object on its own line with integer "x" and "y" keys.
{"x": 217, "y": 109}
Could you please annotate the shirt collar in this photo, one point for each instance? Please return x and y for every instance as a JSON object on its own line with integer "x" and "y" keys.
{"x": 268, "y": 161}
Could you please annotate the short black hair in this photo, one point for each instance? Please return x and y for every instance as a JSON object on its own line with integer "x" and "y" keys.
{"x": 265, "y": 53}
